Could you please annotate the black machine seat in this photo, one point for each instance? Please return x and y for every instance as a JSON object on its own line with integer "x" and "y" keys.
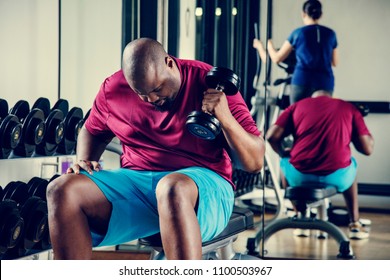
{"x": 310, "y": 193}
{"x": 302, "y": 196}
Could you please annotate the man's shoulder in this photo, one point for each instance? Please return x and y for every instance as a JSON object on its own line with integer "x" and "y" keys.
{"x": 113, "y": 86}
{"x": 116, "y": 76}
{"x": 115, "y": 81}
{"x": 193, "y": 64}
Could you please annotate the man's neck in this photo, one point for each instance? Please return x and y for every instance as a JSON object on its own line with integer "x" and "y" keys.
{"x": 321, "y": 93}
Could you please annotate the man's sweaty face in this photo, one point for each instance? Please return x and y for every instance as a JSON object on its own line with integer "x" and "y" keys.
{"x": 160, "y": 92}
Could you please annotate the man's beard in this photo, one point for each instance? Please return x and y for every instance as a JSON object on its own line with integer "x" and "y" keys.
{"x": 166, "y": 106}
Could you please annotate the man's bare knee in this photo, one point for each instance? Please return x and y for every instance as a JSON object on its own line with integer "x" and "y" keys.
{"x": 176, "y": 188}
{"x": 73, "y": 193}
{"x": 56, "y": 189}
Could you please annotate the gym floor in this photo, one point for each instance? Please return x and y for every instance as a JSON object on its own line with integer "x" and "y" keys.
{"x": 284, "y": 245}
{"x": 281, "y": 245}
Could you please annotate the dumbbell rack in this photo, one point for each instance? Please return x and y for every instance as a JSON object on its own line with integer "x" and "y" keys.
{"x": 41, "y": 132}
{"x": 24, "y": 226}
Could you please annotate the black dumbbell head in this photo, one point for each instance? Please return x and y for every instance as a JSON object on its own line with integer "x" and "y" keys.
{"x": 17, "y": 191}
{"x": 21, "y": 110}
{"x": 363, "y": 109}
{"x": 55, "y": 127}
{"x": 44, "y": 104}
{"x": 34, "y": 214}
{"x": 37, "y": 187}
{"x": 203, "y": 125}
{"x": 223, "y": 79}
{"x": 73, "y": 123}
{"x": 87, "y": 115}
{"x": 206, "y": 126}
{"x": 34, "y": 127}
{"x": 10, "y": 132}
{"x": 11, "y": 225}
{"x": 62, "y": 105}
{"x": 3, "y": 108}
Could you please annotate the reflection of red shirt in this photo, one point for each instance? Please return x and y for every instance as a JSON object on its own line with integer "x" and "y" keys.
{"x": 159, "y": 141}
{"x": 322, "y": 128}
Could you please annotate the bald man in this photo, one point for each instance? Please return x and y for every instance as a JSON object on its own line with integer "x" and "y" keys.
{"x": 169, "y": 181}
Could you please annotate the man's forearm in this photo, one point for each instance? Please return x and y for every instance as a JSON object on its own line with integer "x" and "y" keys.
{"x": 247, "y": 148}
{"x": 89, "y": 147}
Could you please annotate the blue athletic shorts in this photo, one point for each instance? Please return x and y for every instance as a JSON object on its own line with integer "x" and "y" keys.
{"x": 134, "y": 204}
{"x": 342, "y": 178}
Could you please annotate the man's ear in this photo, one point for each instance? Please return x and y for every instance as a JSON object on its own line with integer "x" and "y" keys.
{"x": 169, "y": 62}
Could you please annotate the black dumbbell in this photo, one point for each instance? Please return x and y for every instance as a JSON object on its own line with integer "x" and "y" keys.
{"x": 204, "y": 125}
{"x": 11, "y": 226}
{"x": 10, "y": 130}
{"x": 82, "y": 123}
{"x": 54, "y": 122}
{"x": 33, "y": 210}
{"x": 363, "y": 109}
{"x": 73, "y": 123}
{"x": 33, "y": 128}
{"x": 37, "y": 187}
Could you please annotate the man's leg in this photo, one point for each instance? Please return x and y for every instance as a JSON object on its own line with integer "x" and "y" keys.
{"x": 351, "y": 200}
{"x": 177, "y": 195}
{"x": 75, "y": 204}
{"x": 357, "y": 230}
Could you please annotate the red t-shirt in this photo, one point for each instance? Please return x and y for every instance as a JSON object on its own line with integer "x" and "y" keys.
{"x": 160, "y": 141}
{"x": 322, "y": 128}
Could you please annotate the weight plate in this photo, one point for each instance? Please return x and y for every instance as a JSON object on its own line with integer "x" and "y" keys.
{"x": 33, "y": 184}
{"x": 11, "y": 225}
{"x": 34, "y": 214}
{"x": 62, "y": 105}
{"x": 202, "y": 116}
{"x": 44, "y": 104}
{"x": 21, "y": 110}
{"x": 34, "y": 127}
{"x": 10, "y": 131}
{"x": 223, "y": 79}
{"x": 45, "y": 242}
{"x": 338, "y": 216}
{"x": 87, "y": 115}
{"x": 73, "y": 123}
{"x": 40, "y": 187}
{"x": 3, "y": 108}
{"x": 54, "y": 127}
{"x": 17, "y": 191}
{"x": 203, "y": 125}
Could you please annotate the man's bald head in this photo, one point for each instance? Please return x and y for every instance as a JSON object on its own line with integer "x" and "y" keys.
{"x": 151, "y": 72}
{"x": 141, "y": 58}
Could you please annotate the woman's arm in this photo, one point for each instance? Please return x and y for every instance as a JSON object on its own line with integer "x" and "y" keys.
{"x": 280, "y": 55}
{"x": 335, "y": 57}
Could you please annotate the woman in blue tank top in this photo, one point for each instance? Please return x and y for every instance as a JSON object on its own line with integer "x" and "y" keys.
{"x": 315, "y": 49}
